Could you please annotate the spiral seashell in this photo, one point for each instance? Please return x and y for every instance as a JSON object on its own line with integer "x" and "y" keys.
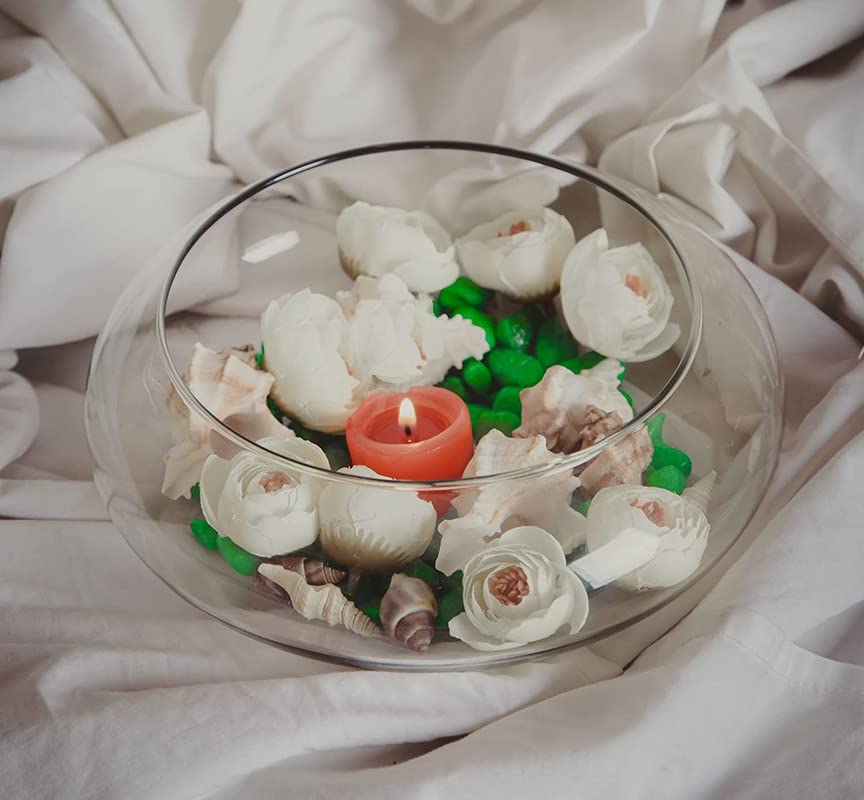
{"x": 620, "y": 463}
{"x": 316, "y": 573}
{"x": 325, "y": 602}
{"x": 408, "y": 611}
{"x": 598, "y": 425}
{"x": 699, "y": 494}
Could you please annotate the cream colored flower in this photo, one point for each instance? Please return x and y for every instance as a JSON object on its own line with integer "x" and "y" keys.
{"x": 519, "y": 590}
{"x": 616, "y": 301}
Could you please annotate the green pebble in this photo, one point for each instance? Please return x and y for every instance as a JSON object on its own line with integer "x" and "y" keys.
{"x": 479, "y": 318}
{"x": 573, "y": 364}
{"x": 507, "y": 399}
{"x": 627, "y": 397}
{"x": 623, "y": 373}
{"x": 504, "y": 421}
{"x": 668, "y": 477}
{"x": 474, "y": 411}
{"x": 463, "y": 292}
{"x": 259, "y": 356}
{"x": 422, "y": 570}
{"x": 654, "y": 426}
{"x": 511, "y": 368}
{"x": 591, "y": 359}
{"x": 665, "y": 456}
{"x": 195, "y": 491}
{"x": 449, "y": 606}
{"x": 456, "y": 385}
{"x": 554, "y": 343}
{"x": 274, "y": 409}
{"x": 515, "y": 332}
{"x": 583, "y": 507}
{"x": 476, "y": 375}
{"x": 204, "y": 533}
{"x": 436, "y": 307}
{"x": 373, "y": 611}
{"x": 238, "y": 559}
{"x": 450, "y": 582}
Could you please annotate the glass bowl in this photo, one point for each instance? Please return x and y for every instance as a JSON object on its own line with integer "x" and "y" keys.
{"x": 719, "y": 387}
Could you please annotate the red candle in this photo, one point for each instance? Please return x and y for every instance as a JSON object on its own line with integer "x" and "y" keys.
{"x": 432, "y": 440}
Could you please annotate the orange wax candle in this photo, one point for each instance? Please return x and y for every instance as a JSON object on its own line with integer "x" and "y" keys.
{"x": 435, "y": 443}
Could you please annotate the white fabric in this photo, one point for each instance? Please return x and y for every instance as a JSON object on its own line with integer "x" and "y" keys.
{"x": 121, "y": 120}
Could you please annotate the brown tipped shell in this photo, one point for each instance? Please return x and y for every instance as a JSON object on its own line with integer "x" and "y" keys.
{"x": 598, "y": 425}
{"x": 619, "y": 464}
{"x": 316, "y": 573}
{"x": 408, "y": 611}
{"x": 271, "y": 588}
{"x": 325, "y": 602}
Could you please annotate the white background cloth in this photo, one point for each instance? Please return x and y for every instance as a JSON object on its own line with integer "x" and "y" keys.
{"x": 120, "y": 120}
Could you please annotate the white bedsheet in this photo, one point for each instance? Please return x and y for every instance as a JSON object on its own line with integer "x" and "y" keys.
{"x": 120, "y": 120}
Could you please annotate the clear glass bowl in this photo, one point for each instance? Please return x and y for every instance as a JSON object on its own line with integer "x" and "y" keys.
{"x": 720, "y": 386}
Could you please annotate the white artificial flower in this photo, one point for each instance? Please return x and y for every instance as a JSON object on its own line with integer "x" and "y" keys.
{"x": 376, "y": 240}
{"x": 616, "y": 301}
{"x": 520, "y": 253}
{"x": 678, "y": 522}
{"x": 262, "y": 505}
{"x": 519, "y": 590}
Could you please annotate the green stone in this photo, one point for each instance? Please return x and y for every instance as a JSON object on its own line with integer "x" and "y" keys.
{"x": 573, "y": 364}
{"x": 274, "y": 409}
{"x": 204, "y": 533}
{"x": 512, "y": 368}
{"x": 627, "y": 397}
{"x": 554, "y": 343}
{"x": 665, "y": 456}
{"x": 474, "y": 411}
{"x": 422, "y": 570}
{"x": 450, "y": 582}
{"x": 623, "y": 373}
{"x": 454, "y": 384}
{"x": 449, "y": 606}
{"x": 583, "y": 507}
{"x": 504, "y": 421}
{"x": 668, "y": 477}
{"x": 654, "y": 426}
{"x": 507, "y": 399}
{"x": 463, "y": 292}
{"x": 476, "y": 375}
{"x": 373, "y": 611}
{"x": 479, "y": 318}
{"x": 436, "y": 307}
{"x": 259, "y": 356}
{"x": 591, "y": 359}
{"x": 195, "y": 491}
{"x": 238, "y": 559}
{"x": 515, "y": 332}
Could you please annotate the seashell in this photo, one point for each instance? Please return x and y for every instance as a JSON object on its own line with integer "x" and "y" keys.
{"x": 271, "y": 246}
{"x": 519, "y": 254}
{"x": 680, "y": 525}
{"x": 485, "y": 512}
{"x": 556, "y": 408}
{"x": 616, "y": 301}
{"x": 598, "y": 424}
{"x": 378, "y": 240}
{"x": 230, "y": 386}
{"x": 373, "y": 529}
{"x": 620, "y": 463}
{"x": 408, "y": 611}
{"x": 326, "y": 602}
{"x": 315, "y": 573}
{"x": 700, "y": 492}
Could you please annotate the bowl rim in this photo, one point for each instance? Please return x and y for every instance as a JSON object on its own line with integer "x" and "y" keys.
{"x": 553, "y": 466}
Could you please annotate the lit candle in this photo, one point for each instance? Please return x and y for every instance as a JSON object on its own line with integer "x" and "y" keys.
{"x": 422, "y": 435}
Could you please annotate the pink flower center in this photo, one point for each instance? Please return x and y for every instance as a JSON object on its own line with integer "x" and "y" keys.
{"x": 653, "y": 510}
{"x": 634, "y": 284}
{"x": 274, "y": 481}
{"x": 517, "y": 227}
{"x": 509, "y": 585}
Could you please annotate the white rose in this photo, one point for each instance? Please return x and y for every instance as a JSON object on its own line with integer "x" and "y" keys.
{"x": 617, "y": 301}
{"x": 306, "y": 346}
{"x": 517, "y": 591}
{"x": 259, "y": 503}
{"x": 679, "y": 524}
{"x": 520, "y": 253}
{"x": 375, "y": 240}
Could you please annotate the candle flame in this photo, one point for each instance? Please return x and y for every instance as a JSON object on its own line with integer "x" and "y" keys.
{"x": 407, "y": 416}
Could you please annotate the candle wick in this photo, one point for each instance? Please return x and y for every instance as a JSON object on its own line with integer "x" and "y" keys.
{"x": 408, "y": 432}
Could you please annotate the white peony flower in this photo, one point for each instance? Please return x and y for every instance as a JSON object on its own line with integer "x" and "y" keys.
{"x": 617, "y": 301}
{"x": 679, "y": 524}
{"x": 262, "y": 505}
{"x": 519, "y": 590}
{"x": 520, "y": 253}
{"x": 376, "y": 240}
{"x": 306, "y": 349}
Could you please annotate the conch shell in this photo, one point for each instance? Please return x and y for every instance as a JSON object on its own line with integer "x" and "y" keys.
{"x": 315, "y": 573}
{"x": 228, "y": 384}
{"x": 680, "y": 525}
{"x": 620, "y": 463}
{"x": 374, "y": 529}
{"x": 325, "y": 602}
{"x": 519, "y": 254}
{"x": 557, "y": 407}
{"x": 700, "y": 492}
{"x": 408, "y": 611}
{"x": 486, "y": 512}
